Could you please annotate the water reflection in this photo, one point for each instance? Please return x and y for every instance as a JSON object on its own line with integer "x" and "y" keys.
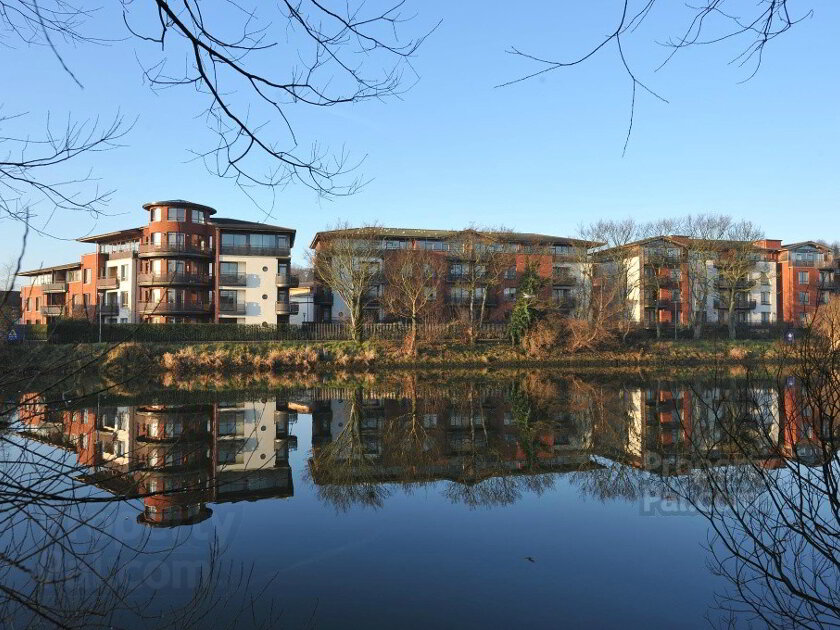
{"x": 485, "y": 443}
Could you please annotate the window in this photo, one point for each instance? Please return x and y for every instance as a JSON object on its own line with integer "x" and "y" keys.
{"x": 124, "y": 299}
{"x": 510, "y": 273}
{"x": 88, "y": 276}
{"x": 175, "y": 239}
{"x": 802, "y": 277}
{"x": 391, "y": 244}
{"x": 234, "y": 240}
{"x": 197, "y": 216}
{"x": 123, "y": 320}
{"x": 156, "y": 214}
{"x": 123, "y": 272}
{"x": 458, "y": 270}
{"x": 765, "y": 279}
{"x": 765, "y": 318}
{"x": 561, "y": 250}
{"x": 765, "y": 297}
{"x": 510, "y": 294}
{"x": 74, "y": 275}
{"x": 27, "y": 304}
{"x": 176, "y": 214}
{"x": 804, "y": 297}
{"x": 228, "y": 268}
{"x": 157, "y": 238}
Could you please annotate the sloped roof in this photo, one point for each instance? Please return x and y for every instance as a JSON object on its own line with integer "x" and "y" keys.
{"x": 179, "y": 203}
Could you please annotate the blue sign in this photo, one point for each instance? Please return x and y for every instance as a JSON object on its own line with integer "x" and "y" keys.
{"x": 13, "y": 336}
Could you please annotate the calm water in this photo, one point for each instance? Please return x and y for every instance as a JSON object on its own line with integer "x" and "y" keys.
{"x": 533, "y": 500}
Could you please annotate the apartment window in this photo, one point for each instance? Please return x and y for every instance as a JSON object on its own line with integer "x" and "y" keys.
{"x": 560, "y": 296}
{"x": 176, "y": 214}
{"x": 391, "y": 244}
{"x": 804, "y": 297}
{"x": 175, "y": 266}
{"x": 230, "y": 298}
{"x": 765, "y": 297}
{"x": 561, "y": 250}
{"x": 459, "y": 294}
{"x": 156, "y": 214}
{"x": 510, "y": 273}
{"x": 802, "y": 277}
{"x": 74, "y": 275}
{"x": 123, "y": 320}
{"x": 175, "y": 239}
{"x": 765, "y": 318}
{"x": 88, "y": 276}
{"x": 228, "y": 268}
{"x": 234, "y": 240}
{"x": 765, "y": 279}
{"x": 157, "y": 238}
{"x": 123, "y": 272}
{"x": 510, "y": 294}
{"x": 197, "y": 216}
{"x": 27, "y": 305}
{"x": 124, "y": 299}
{"x": 458, "y": 270}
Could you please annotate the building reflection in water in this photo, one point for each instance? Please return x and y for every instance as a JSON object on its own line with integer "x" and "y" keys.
{"x": 177, "y": 458}
{"x": 489, "y": 442}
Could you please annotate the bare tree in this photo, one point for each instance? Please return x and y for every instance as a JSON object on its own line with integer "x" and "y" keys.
{"x": 704, "y": 232}
{"x": 661, "y": 261}
{"x": 413, "y": 279}
{"x": 709, "y": 22}
{"x": 735, "y": 263}
{"x": 479, "y": 258}
{"x": 609, "y": 297}
{"x": 349, "y": 261}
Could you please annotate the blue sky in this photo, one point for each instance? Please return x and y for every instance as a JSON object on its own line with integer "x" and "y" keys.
{"x": 543, "y": 155}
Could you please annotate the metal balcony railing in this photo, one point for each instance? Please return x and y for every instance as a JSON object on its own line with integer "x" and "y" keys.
{"x": 173, "y": 278}
{"x": 161, "y": 249}
{"x": 232, "y": 280}
{"x": 232, "y": 308}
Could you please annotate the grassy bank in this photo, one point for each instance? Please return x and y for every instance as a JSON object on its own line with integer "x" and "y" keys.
{"x": 313, "y": 357}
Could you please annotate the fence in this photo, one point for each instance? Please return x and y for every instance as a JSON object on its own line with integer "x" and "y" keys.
{"x": 85, "y": 332}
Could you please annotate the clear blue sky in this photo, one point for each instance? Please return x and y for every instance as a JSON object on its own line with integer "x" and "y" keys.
{"x": 543, "y": 156}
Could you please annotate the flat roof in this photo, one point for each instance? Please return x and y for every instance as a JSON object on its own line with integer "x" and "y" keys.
{"x": 179, "y": 203}
{"x": 238, "y": 224}
{"x": 111, "y": 236}
{"x": 42, "y": 270}
{"x": 529, "y": 237}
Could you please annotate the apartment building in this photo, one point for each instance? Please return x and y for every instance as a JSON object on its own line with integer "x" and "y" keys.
{"x": 669, "y": 278}
{"x": 555, "y": 258}
{"x": 178, "y": 458}
{"x": 184, "y": 265}
{"x": 808, "y": 272}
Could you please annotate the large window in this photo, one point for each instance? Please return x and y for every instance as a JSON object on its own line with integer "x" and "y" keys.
{"x": 802, "y": 277}
{"x": 229, "y": 298}
{"x": 197, "y": 216}
{"x": 234, "y": 240}
{"x": 175, "y": 239}
{"x": 156, "y": 214}
{"x": 157, "y": 238}
{"x": 175, "y": 266}
{"x": 177, "y": 214}
{"x": 229, "y": 268}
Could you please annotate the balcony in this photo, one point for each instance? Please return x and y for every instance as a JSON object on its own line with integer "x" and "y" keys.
{"x": 286, "y": 280}
{"x": 563, "y": 279}
{"x": 722, "y": 283}
{"x": 740, "y": 305}
{"x": 566, "y": 304}
{"x": 322, "y": 296}
{"x": 107, "y": 282}
{"x": 232, "y": 308}
{"x": 286, "y": 308}
{"x": 108, "y": 309}
{"x": 54, "y": 287}
{"x": 173, "y": 278}
{"x": 174, "y": 308}
{"x": 232, "y": 280}
{"x": 52, "y": 310}
{"x": 246, "y": 250}
{"x": 151, "y": 250}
